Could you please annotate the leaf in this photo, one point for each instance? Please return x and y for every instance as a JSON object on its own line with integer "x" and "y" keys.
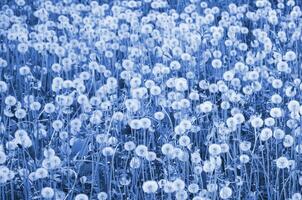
{"x": 79, "y": 148}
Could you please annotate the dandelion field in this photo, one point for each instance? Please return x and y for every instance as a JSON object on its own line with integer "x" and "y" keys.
{"x": 150, "y": 99}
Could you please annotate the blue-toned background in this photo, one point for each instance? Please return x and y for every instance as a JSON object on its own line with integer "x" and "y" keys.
{"x": 150, "y": 99}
